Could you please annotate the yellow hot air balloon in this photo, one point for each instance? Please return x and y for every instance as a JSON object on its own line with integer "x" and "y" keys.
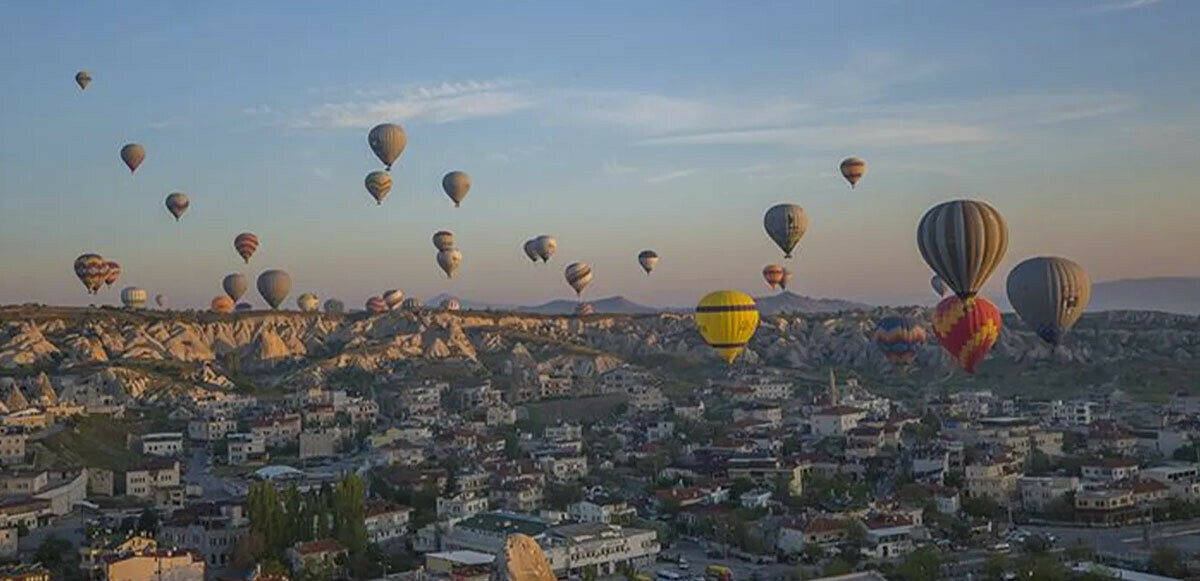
{"x": 727, "y": 319}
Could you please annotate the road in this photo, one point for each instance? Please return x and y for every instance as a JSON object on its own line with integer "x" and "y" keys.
{"x": 1183, "y": 535}
{"x": 699, "y": 561}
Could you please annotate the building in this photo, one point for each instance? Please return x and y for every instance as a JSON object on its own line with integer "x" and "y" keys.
{"x": 320, "y": 444}
{"x": 1110, "y": 470}
{"x": 1160, "y": 441}
{"x": 768, "y": 471}
{"x": 1074, "y": 413}
{"x": 8, "y": 542}
{"x": 648, "y": 399}
{"x": 607, "y": 549}
{"x": 93, "y": 557}
{"x": 1182, "y": 479}
{"x": 461, "y": 505}
{"x": 563, "y": 432}
{"x": 24, "y": 572}
{"x": 304, "y": 555}
{"x": 12, "y": 445}
{"x": 1039, "y": 491}
{"x": 211, "y": 529}
{"x": 144, "y": 480}
{"x": 458, "y": 564}
{"x": 836, "y": 421}
{"x": 24, "y": 511}
{"x": 246, "y": 448}
{"x": 994, "y": 478}
{"x": 562, "y": 468}
{"x": 386, "y": 521}
{"x": 889, "y": 537}
{"x": 755, "y": 499}
{"x": 210, "y": 429}
{"x": 163, "y": 444}
{"x": 176, "y": 565}
{"x": 1106, "y": 506}
{"x": 765, "y": 387}
{"x": 601, "y": 510}
{"x": 278, "y": 431}
{"x": 486, "y": 532}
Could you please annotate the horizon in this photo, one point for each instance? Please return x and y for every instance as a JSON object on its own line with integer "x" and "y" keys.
{"x": 640, "y": 120}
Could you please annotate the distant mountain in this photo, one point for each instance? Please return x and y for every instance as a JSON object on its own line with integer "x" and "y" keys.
{"x": 470, "y": 305}
{"x": 1168, "y": 294}
{"x": 789, "y": 302}
{"x": 617, "y": 305}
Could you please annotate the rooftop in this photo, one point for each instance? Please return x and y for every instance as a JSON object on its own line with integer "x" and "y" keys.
{"x": 507, "y": 523}
{"x": 321, "y": 546}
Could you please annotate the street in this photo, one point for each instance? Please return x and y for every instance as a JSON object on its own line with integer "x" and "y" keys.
{"x": 1183, "y": 535}
{"x": 699, "y": 561}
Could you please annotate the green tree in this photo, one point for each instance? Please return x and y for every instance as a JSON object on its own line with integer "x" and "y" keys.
{"x": 148, "y": 522}
{"x": 53, "y": 551}
{"x": 321, "y": 570}
{"x": 836, "y": 567}
{"x": 982, "y": 506}
{"x": 994, "y": 568}
{"x": 1043, "y": 568}
{"x": 1165, "y": 560}
{"x": 923, "y": 564}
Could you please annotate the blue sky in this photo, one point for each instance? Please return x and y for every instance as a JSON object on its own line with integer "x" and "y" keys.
{"x": 615, "y": 126}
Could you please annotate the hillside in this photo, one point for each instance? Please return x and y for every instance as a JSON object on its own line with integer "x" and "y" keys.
{"x": 1167, "y": 294}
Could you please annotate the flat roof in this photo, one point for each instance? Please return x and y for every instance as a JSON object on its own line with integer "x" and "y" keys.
{"x": 463, "y": 557}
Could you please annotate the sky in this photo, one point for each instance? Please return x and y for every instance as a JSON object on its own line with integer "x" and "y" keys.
{"x": 615, "y": 126}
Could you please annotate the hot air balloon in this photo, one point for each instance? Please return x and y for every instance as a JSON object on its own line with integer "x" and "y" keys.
{"x": 853, "y": 169}
{"x": 939, "y": 285}
{"x": 177, "y": 204}
{"x": 387, "y": 141}
{"x": 531, "y": 249}
{"x": 393, "y": 298}
{"x": 243, "y": 307}
{"x": 1050, "y": 294}
{"x": 134, "y": 297}
{"x": 83, "y": 79}
{"x": 456, "y": 184}
{"x": 967, "y": 328}
{"x": 449, "y": 260}
{"x": 334, "y": 307}
{"x": 443, "y": 240}
{"x": 411, "y": 304}
{"x": 235, "y": 285}
{"x": 379, "y": 183}
{"x": 91, "y": 270}
{"x": 545, "y": 246}
{"x": 963, "y": 241}
{"x": 222, "y": 304}
{"x": 245, "y": 244}
{"x": 786, "y": 279}
{"x": 307, "y": 303}
{"x": 585, "y": 309}
{"x": 112, "y": 273}
{"x": 133, "y": 154}
{"x": 773, "y": 274}
{"x": 579, "y": 276}
{"x": 450, "y": 304}
{"x": 376, "y": 305}
{"x": 274, "y": 286}
{"x": 899, "y": 338}
{"x": 727, "y": 320}
{"x": 786, "y": 225}
{"x": 648, "y": 259}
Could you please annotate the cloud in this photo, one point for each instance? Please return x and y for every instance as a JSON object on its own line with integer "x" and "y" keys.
{"x": 438, "y": 103}
{"x": 671, "y": 175}
{"x": 614, "y": 168}
{"x": 1120, "y": 6}
{"x": 653, "y": 113}
{"x": 171, "y": 123}
{"x": 322, "y": 174}
{"x": 834, "y": 137}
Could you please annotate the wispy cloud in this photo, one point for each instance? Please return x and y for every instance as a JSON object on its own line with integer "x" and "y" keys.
{"x": 171, "y": 123}
{"x": 614, "y": 168}
{"x": 439, "y": 103}
{"x": 867, "y": 134}
{"x": 671, "y": 175}
{"x": 322, "y": 174}
{"x": 1120, "y": 6}
{"x": 656, "y": 114}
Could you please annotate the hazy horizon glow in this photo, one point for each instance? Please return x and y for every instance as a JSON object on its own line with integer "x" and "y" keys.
{"x": 621, "y": 127}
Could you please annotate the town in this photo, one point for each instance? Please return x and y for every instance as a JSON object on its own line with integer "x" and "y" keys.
{"x": 618, "y": 473}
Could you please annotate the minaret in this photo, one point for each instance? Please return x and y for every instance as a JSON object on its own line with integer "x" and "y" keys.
{"x": 833, "y": 390}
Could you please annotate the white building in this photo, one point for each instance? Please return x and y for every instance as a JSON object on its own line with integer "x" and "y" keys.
{"x": 244, "y": 448}
{"x": 1110, "y": 470}
{"x": 161, "y": 444}
{"x": 565, "y": 467}
{"x": 461, "y": 505}
{"x": 563, "y": 432}
{"x": 319, "y": 444}
{"x": 836, "y": 421}
{"x": 210, "y": 429}
{"x": 1039, "y": 491}
{"x": 386, "y": 522}
{"x": 889, "y": 538}
{"x": 600, "y": 511}
{"x": 755, "y": 499}
{"x": 647, "y": 399}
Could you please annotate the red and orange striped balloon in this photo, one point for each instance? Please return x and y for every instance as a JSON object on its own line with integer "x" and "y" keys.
{"x": 245, "y": 244}
{"x": 114, "y": 272}
{"x": 967, "y": 329}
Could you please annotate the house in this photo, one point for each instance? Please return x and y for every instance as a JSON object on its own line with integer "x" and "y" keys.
{"x": 771, "y": 415}
{"x": 1106, "y": 506}
{"x": 174, "y": 564}
{"x": 277, "y": 431}
{"x": 12, "y": 445}
{"x": 993, "y": 477}
{"x": 386, "y": 521}
{"x": 94, "y": 556}
{"x": 149, "y": 477}
{"x": 647, "y": 399}
{"x": 563, "y": 432}
{"x": 24, "y": 572}
{"x": 319, "y": 444}
{"x": 8, "y": 542}
{"x": 210, "y": 429}
{"x": 246, "y": 448}
{"x": 826, "y": 532}
{"x": 1110, "y": 470}
{"x": 947, "y": 500}
{"x": 769, "y": 471}
{"x": 519, "y": 495}
{"x": 755, "y": 499}
{"x": 459, "y": 564}
{"x": 1039, "y": 491}
{"x": 304, "y": 555}
{"x": 600, "y": 510}
{"x": 1182, "y": 479}
{"x": 1148, "y": 492}
{"x": 836, "y": 421}
{"x": 889, "y": 536}
{"x": 163, "y": 444}
{"x": 566, "y": 467}
{"x": 692, "y": 411}
{"x": 1160, "y": 441}
{"x": 603, "y": 548}
{"x": 24, "y": 511}
{"x": 211, "y": 529}
{"x": 403, "y": 454}
{"x": 461, "y": 505}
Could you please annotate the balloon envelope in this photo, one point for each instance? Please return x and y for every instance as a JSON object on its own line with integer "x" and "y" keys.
{"x": 648, "y": 259}
{"x": 456, "y": 184}
{"x": 531, "y": 250}
{"x": 786, "y": 225}
{"x": 727, "y": 320}
{"x": 112, "y": 273}
{"x": 1049, "y": 294}
{"x": 160, "y": 300}
{"x": 91, "y": 269}
{"x": 963, "y": 242}
{"x": 133, "y": 154}
{"x": 334, "y": 307}
{"x": 274, "y": 286}
{"x": 393, "y": 298}
{"x": 853, "y": 169}
{"x": 579, "y": 276}
{"x": 134, "y": 297}
{"x": 307, "y": 302}
{"x": 773, "y": 275}
{"x": 443, "y": 240}
{"x": 83, "y": 79}
{"x": 222, "y": 304}
{"x": 967, "y": 329}
{"x": 899, "y": 338}
{"x": 235, "y": 285}
{"x": 449, "y": 260}
{"x": 939, "y": 286}
{"x": 246, "y": 244}
{"x": 387, "y": 141}
{"x": 376, "y": 305}
{"x": 379, "y": 183}
{"x": 177, "y": 204}
{"x": 545, "y": 246}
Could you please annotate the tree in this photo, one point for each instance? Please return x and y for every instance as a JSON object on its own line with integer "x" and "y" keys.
{"x": 995, "y": 567}
{"x": 249, "y": 550}
{"x": 1043, "y": 568}
{"x": 836, "y": 567}
{"x": 52, "y": 551}
{"x": 923, "y": 564}
{"x": 1038, "y": 464}
{"x": 1165, "y": 560}
{"x": 982, "y": 506}
{"x": 148, "y": 522}
{"x": 319, "y": 570}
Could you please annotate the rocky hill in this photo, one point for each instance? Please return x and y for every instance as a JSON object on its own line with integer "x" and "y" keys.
{"x": 89, "y": 353}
